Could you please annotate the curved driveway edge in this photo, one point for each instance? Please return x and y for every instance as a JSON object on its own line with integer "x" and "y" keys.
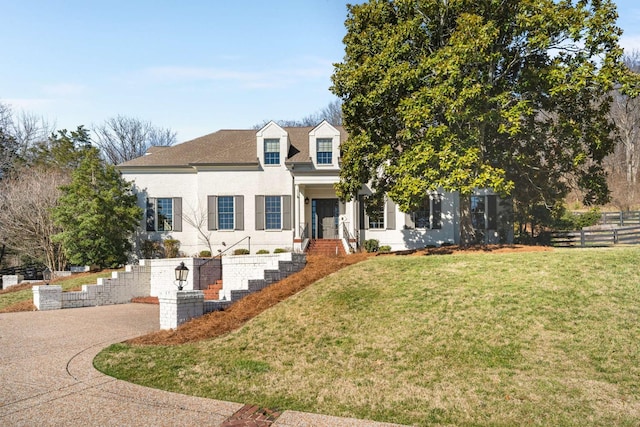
{"x": 47, "y": 376}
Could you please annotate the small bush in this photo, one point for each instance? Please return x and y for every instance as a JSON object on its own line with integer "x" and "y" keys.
{"x": 577, "y": 221}
{"x": 279, "y": 251}
{"x": 171, "y": 248}
{"x": 150, "y": 249}
{"x": 205, "y": 254}
{"x": 384, "y": 249}
{"x": 262, "y": 252}
{"x": 371, "y": 245}
{"x": 241, "y": 252}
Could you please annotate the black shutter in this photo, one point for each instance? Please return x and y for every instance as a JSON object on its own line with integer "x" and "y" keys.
{"x": 492, "y": 212}
{"x": 436, "y": 212}
{"x": 364, "y": 218}
{"x": 151, "y": 214}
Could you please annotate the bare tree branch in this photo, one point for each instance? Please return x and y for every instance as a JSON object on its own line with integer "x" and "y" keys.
{"x": 624, "y": 163}
{"x": 331, "y": 113}
{"x": 26, "y": 224}
{"x": 198, "y": 219}
{"x": 124, "y": 138}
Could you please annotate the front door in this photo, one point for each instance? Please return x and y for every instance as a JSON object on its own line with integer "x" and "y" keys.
{"x": 325, "y": 213}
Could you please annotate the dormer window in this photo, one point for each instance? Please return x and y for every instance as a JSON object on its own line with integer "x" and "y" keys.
{"x": 324, "y": 151}
{"x": 271, "y": 151}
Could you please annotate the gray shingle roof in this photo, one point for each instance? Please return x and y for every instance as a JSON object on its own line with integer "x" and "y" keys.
{"x": 225, "y": 147}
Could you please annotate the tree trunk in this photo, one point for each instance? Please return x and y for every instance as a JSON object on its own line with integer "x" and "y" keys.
{"x": 467, "y": 232}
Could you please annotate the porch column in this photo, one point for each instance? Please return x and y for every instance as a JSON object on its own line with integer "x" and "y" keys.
{"x": 298, "y": 219}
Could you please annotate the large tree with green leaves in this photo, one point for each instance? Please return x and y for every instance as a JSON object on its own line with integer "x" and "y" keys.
{"x": 97, "y": 213}
{"x": 511, "y": 95}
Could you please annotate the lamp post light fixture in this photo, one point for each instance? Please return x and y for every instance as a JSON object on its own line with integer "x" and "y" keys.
{"x": 46, "y": 276}
{"x": 181, "y": 274}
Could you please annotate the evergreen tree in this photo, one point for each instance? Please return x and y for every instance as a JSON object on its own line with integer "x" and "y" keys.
{"x": 98, "y": 213}
{"x": 64, "y": 150}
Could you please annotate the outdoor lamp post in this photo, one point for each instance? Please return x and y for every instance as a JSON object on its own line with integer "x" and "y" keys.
{"x": 181, "y": 274}
{"x": 46, "y": 276}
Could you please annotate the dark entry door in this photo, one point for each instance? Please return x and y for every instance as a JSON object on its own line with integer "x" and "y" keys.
{"x": 326, "y": 212}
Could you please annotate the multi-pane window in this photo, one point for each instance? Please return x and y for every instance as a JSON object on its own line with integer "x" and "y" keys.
{"x": 164, "y": 214}
{"x": 375, "y": 210}
{"x": 429, "y": 213}
{"x": 273, "y": 216}
{"x": 484, "y": 211}
{"x": 271, "y": 151}
{"x": 477, "y": 212}
{"x": 421, "y": 217}
{"x": 164, "y": 208}
{"x": 225, "y": 213}
{"x": 324, "y": 150}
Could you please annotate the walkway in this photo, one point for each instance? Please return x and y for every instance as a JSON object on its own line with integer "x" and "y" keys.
{"x": 47, "y": 377}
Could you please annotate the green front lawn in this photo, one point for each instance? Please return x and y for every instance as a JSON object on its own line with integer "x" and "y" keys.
{"x": 539, "y": 338}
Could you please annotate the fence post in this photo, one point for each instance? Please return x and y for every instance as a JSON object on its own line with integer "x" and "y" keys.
{"x": 621, "y": 219}
{"x": 582, "y": 239}
{"x": 615, "y": 237}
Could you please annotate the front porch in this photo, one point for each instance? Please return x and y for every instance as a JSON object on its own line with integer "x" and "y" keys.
{"x": 322, "y": 216}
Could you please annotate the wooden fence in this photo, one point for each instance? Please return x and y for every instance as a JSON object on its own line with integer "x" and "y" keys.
{"x": 621, "y": 218}
{"x": 592, "y": 238}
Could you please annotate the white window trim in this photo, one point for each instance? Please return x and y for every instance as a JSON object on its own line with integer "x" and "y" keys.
{"x": 317, "y": 141}
{"x": 432, "y": 197}
{"x": 233, "y": 214}
{"x": 265, "y": 213}
{"x": 264, "y": 146}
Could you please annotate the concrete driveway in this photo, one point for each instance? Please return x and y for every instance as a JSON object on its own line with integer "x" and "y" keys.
{"x": 47, "y": 376}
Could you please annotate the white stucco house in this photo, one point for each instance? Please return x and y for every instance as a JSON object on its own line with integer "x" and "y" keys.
{"x": 274, "y": 188}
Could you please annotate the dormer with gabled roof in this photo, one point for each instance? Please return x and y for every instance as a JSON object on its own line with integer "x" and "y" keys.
{"x": 324, "y": 146}
{"x": 272, "y": 145}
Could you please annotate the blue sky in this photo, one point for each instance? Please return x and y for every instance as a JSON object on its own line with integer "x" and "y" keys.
{"x": 192, "y": 66}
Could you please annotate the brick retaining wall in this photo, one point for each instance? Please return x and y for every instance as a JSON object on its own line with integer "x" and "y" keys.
{"x": 119, "y": 289}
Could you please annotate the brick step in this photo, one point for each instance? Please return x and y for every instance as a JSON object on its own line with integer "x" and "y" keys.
{"x": 327, "y": 247}
{"x": 213, "y": 291}
{"x": 211, "y": 295}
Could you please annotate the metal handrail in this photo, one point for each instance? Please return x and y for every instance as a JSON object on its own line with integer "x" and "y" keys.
{"x": 235, "y": 244}
{"x": 304, "y": 230}
{"x": 347, "y": 236}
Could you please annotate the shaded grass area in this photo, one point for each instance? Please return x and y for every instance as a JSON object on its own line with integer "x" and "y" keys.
{"x": 20, "y": 298}
{"x": 546, "y": 338}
